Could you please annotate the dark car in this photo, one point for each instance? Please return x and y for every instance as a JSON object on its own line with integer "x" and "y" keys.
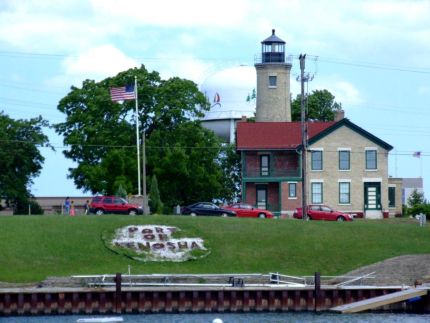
{"x": 206, "y": 208}
{"x": 248, "y": 211}
{"x": 113, "y": 204}
{"x": 322, "y": 212}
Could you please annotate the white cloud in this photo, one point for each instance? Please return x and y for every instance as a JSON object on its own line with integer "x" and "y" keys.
{"x": 344, "y": 91}
{"x": 182, "y": 66}
{"x": 98, "y": 62}
{"x": 167, "y": 13}
{"x": 52, "y": 26}
{"x": 348, "y": 28}
{"x": 95, "y": 63}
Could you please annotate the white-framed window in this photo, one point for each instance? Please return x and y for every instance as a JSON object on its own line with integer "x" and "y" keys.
{"x": 273, "y": 81}
{"x": 344, "y": 159}
{"x": 316, "y": 192}
{"x": 292, "y": 190}
{"x": 317, "y": 159}
{"x": 344, "y": 192}
{"x": 371, "y": 159}
{"x": 264, "y": 165}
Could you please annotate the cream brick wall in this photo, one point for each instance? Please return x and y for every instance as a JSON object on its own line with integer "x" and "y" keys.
{"x": 273, "y": 104}
{"x": 346, "y": 138}
{"x": 397, "y": 183}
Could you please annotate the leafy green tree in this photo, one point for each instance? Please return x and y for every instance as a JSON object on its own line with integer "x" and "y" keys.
{"x": 321, "y": 106}
{"x": 416, "y": 198}
{"x": 121, "y": 191}
{"x": 100, "y": 134}
{"x": 186, "y": 163}
{"x": 20, "y": 158}
{"x": 155, "y": 203}
{"x": 232, "y": 172}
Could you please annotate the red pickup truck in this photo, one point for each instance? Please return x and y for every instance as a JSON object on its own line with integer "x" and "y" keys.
{"x": 322, "y": 212}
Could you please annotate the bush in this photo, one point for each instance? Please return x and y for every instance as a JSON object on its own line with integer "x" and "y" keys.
{"x": 155, "y": 203}
{"x": 22, "y": 206}
{"x": 419, "y": 209}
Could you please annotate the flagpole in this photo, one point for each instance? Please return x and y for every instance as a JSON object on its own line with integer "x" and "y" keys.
{"x": 137, "y": 136}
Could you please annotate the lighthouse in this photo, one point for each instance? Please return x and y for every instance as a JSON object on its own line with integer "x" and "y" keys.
{"x": 273, "y": 82}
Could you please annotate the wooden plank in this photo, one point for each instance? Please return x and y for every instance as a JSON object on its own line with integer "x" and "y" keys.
{"x": 374, "y": 302}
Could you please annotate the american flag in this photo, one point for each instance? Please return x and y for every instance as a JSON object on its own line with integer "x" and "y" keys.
{"x": 123, "y": 93}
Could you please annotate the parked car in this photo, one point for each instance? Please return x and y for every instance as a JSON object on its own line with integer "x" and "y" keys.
{"x": 322, "y": 212}
{"x": 206, "y": 208}
{"x": 113, "y": 204}
{"x": 248, "y": 211}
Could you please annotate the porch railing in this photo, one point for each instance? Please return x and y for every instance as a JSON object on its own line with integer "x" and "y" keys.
{"x": 256, "y": 172}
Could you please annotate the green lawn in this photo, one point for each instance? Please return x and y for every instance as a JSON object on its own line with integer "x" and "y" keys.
{"x": 35, "y": 247}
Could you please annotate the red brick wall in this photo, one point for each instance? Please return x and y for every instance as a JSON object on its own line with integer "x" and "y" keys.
{"x": 291, "y": 204}
{"x": 252, "y": 160}
{"x": 272, "y": 193}
{"x": 250, "y": 193}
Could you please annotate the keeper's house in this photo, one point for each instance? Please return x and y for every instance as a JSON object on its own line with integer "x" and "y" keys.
{"x": 347, "y": 167}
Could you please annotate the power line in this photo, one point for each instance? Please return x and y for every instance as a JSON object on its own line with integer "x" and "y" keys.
{"x": 421, "y": 70}
{"x": 62, "y": 146}
{"x": 331, "y": 60}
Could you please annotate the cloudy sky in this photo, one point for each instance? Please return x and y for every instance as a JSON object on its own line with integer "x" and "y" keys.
{"x": 374, "y": 56}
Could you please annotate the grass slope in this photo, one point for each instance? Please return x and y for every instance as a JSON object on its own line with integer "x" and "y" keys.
{"x": 35, "y": 247}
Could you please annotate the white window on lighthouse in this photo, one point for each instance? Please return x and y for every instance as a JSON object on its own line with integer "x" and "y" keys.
{"x": 273, "y": 81}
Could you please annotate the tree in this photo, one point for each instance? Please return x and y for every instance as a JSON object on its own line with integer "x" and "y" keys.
{"x": 100, "y": 134}
{"x": 186, "y": 163}
{"x": 416, "y": 198}
{"x": 321, "y": 106}
{"x": 232, "y": 172}
{"x": 155, "y": 203}
{"x": 20, "y": 158}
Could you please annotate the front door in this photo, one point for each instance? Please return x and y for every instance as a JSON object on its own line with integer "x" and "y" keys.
{"x": 262, "y": 196}
{"x": 372, "y": 196}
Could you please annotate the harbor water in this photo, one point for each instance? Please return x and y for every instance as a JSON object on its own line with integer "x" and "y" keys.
{"x": 233, "y": 318}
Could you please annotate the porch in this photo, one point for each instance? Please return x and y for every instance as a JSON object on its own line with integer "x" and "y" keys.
{"x": 270, "y": 165}
{"x": 264, "y": 196}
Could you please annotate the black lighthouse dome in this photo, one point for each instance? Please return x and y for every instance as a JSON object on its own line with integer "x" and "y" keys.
{"x": 273, "y": 49}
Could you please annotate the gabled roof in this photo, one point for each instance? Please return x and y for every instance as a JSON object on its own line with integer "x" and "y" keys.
{"x": 275, "y": 135}
{"x": 345, "y": 122}
{"x": 287, "y": 135}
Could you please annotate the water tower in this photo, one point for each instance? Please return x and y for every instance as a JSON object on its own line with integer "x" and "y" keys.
{"x": 273, "y": 81}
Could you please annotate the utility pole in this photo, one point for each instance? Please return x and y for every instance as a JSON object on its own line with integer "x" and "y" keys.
{"x": 304, "y": 134}
{"x": 145, "y": 195}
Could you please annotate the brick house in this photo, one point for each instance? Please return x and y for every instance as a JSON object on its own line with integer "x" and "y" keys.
{"x": 347, "y": 167}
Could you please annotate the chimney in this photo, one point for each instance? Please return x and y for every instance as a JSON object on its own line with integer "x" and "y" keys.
{"x": 340, "y": 114}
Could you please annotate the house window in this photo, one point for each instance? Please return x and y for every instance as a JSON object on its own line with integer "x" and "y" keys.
{"x": 273, "y": 81}
{"x": 344, "y": 160}
{"x": 317, "y": 160}
{"x": 344, "y": 192}
{"x": 391, "y": 196}
{"x": 264, "y": 165}
{"x": 371, "y": 162}
{"x": 317, "y": 193}
{"x": 292, "y": 190}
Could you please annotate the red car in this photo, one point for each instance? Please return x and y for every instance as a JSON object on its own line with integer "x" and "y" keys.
{"x": 323, "y": 212}
{"x": 248, "y": 211}
{"x": 113, "y": 204}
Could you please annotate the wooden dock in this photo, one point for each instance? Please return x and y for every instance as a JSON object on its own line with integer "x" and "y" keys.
{"x": 379, "y": 301}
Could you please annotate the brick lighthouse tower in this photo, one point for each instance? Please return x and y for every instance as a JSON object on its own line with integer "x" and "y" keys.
{"x": 273, "y": 81}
